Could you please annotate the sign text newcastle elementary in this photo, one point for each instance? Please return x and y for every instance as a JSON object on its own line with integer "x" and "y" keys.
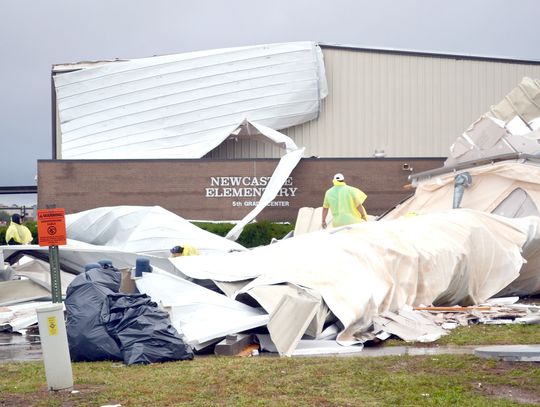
{"x": 219, "y": 190}
{"x": 246, "y": 190}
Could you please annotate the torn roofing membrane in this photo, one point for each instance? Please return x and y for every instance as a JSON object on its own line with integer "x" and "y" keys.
{"x": 142, "y": 229}
{"x": 454, "y": 257}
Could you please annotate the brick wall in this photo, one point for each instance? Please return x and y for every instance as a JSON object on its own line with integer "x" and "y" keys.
{"x": 219, "y": 189}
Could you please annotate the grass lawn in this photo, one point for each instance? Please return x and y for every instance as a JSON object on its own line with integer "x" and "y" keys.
{"x": 518, "y": 334}
{"x": 442, "y": 380}
{"x": 445, "y": 380}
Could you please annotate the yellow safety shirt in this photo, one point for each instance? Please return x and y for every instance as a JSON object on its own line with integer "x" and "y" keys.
{"x": 189, "y": 251}
{"x": 20, "y": 233}
{"x": 343, "y": 201}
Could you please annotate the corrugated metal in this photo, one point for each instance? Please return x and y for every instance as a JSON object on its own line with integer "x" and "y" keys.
{"x": 408, "y": 104}
{"x": 183, "y": 105}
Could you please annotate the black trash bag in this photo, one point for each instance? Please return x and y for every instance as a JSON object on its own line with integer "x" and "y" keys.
{"x": 87, "y": 337}
{"x": 142, "y": 330}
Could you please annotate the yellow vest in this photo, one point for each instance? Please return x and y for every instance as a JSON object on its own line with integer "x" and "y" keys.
{"x": 189, "y": 251}
{"x": 343, "y": 201}
{"x": 20, "y": 233}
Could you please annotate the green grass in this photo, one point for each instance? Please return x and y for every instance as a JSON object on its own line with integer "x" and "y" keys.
{"x": 518, "y": 334}
{"x": 443, "y": 380}
{"x": 493, "y": 335}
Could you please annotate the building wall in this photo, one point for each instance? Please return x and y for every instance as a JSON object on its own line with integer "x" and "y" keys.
{"x": 409, "y": 105}
{"x": 194, "y": 189}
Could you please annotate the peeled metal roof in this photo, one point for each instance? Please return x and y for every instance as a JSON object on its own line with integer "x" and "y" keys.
{"x": 184, "y": 105}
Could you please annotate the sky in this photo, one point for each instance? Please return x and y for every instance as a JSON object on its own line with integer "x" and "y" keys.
{"x": 35, "y": 34}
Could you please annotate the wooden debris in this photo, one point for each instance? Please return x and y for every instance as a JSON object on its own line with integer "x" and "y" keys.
{"x": 248, "y": 350}
{"x": 453, "y": 309}
{"x": 233, "y": 344}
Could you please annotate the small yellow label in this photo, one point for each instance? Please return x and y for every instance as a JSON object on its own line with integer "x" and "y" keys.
{"x": 53, "y": 326}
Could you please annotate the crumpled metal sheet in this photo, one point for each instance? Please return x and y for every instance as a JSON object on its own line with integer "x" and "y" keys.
{"x": 143, "y": 230}
{"x": 185, "y": 105}
{"x": 462, "y": 256}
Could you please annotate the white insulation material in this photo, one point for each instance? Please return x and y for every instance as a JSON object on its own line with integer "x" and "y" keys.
{"x": 185, "y": 105}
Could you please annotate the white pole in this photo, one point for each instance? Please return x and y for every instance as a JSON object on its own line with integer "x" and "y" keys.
{"x": 54, "y": 346}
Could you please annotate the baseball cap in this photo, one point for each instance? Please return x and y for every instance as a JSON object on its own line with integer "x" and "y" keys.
{"x": 339, "y": 177}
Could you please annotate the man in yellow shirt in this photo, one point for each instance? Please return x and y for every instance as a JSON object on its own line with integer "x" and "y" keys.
{"x": 345, "y": 203}
{"x": 185, "y": 250}
{"x": 17, "y": 233}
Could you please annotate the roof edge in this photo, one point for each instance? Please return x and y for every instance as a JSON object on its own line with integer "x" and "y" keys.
{"x": 384, "y": 50}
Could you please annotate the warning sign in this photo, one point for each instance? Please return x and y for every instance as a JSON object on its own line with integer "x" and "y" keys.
{"x": 52, "y": 325}
{"x": 51, "y": 227}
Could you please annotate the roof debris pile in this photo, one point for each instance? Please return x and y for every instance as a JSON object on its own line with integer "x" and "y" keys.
{"x": 464, "y": 241}
{"x": 313, "y": 293}
{"x": 499, "y": 155}
{"x": 512, "y": 126}
{"x": 370, "y": 270}
{"x": 490, "y": 313}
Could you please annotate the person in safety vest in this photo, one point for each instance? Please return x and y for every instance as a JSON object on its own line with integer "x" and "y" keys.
{"x": 17, "y": 233}
{"x": 345, "y": 203}
{"x": 185, "y": 250}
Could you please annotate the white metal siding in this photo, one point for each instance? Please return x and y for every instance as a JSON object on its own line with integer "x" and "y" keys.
{"x": 184, "y": 105}
{"x": 407, "y": 104}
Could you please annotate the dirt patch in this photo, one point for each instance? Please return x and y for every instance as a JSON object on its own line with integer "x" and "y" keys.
{"x": 503, "y": 366}
{"x": 510, "y": 393}
{"x": 66, "y": 398}
{"x": 323, "y": 402}
{"x": 400, "y": 366}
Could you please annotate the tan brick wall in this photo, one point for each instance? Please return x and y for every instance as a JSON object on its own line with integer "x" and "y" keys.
{"x": 181, "y": 185}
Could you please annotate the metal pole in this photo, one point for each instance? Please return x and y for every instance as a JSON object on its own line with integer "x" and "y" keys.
{"x": 56, "y": 286}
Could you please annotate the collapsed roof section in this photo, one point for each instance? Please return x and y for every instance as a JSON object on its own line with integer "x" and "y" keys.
{"x": 496, "y": 160}
{"x": 149, "y": 230}
{"x": 512, "y": 126}
{"x": 523, "y": 101}
{"x": 493, "y": 167}
{"x": 360, "y": 271}
{"x": 184, "y": 105}
{"x": 509, "y": 188}
{"x": 358, "y": 274}
{"x": 121, "y": 234}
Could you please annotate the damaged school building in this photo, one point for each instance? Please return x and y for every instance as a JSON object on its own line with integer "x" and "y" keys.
{"x": 444, "y": 146}
{"x": 345, "y": 106}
